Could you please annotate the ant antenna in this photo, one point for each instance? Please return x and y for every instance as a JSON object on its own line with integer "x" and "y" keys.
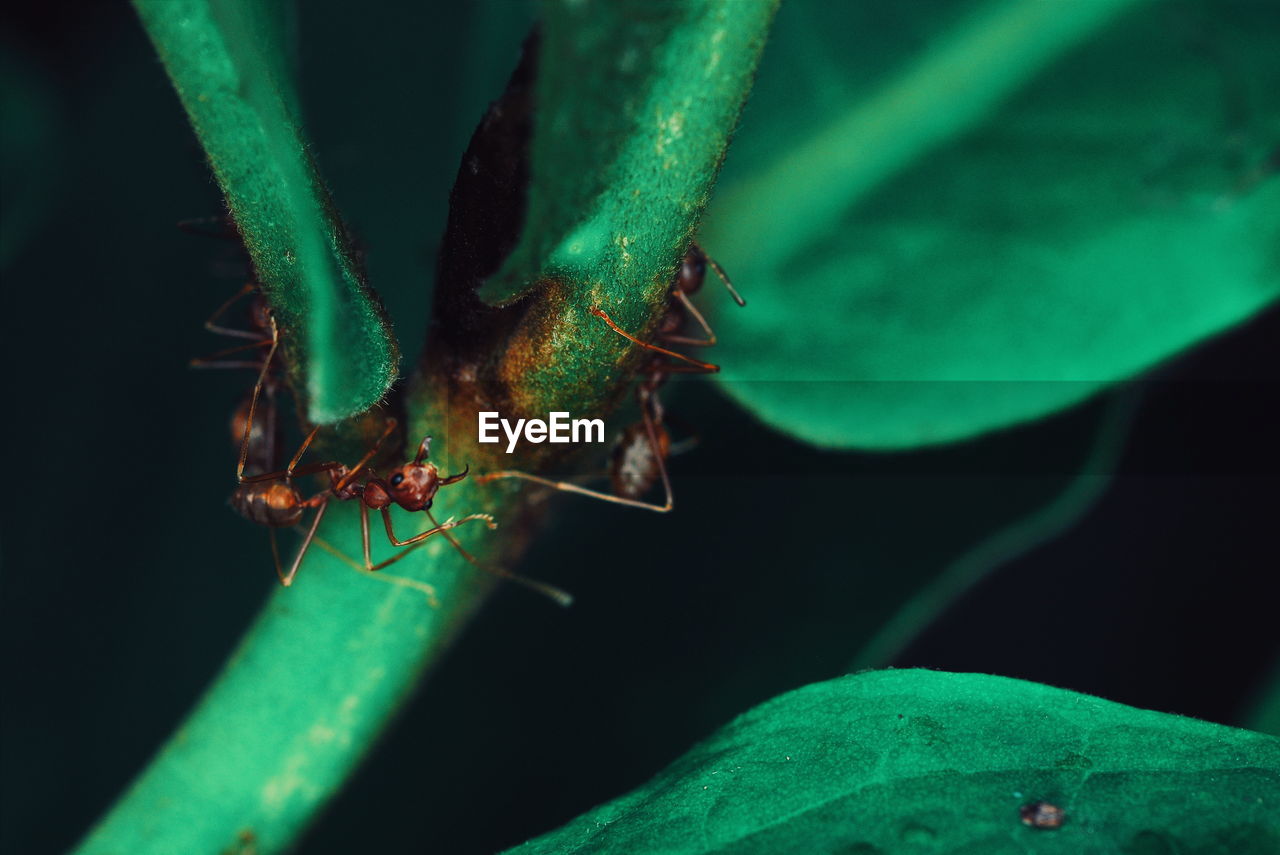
{"x": 733, "y": 292}
{"x": 724, "y": 277}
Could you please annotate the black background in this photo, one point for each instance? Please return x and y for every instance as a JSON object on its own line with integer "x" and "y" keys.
{"x": 125, "y": 579}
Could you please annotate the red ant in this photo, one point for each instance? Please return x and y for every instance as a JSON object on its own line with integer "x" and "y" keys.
{"x": 271, "y": 499}
{"x": 638, "y": 458}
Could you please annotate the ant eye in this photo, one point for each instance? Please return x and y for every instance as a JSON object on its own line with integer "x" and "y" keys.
{"x": 397, "y": 479}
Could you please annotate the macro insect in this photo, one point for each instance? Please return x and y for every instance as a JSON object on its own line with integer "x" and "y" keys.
{"x": 271, "y": 499}
{"x": 638, "y": 460}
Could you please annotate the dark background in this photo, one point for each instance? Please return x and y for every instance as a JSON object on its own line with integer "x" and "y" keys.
{"x": 125, "y": 579}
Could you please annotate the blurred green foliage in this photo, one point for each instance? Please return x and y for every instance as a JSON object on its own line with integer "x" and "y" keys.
{"x": 994, "y": 210}
{"x": 924, "y": 761}
{"x": 31, "y": 142}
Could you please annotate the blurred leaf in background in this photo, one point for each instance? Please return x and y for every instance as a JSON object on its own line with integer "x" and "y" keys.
{"x": 989, "y": 210}
{"x": 31, "y": 150}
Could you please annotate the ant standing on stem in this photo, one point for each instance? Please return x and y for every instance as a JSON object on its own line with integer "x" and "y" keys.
{"x": 639, "y": 458}
{"x": 271, "y": 499}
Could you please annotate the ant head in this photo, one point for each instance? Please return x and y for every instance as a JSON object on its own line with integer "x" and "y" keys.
{"x": 411, "y": 486}
{"x": 693, "y": 270}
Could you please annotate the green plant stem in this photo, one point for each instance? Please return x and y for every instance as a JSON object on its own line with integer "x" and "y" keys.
{"x": 330, "y": 660}
{"x": 1009, "y": 543}
{"x": 227, "y": 62}
{"x": 311, "y": 685}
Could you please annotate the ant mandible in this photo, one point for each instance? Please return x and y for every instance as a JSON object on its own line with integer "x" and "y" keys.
{"x": 638, "y": 460}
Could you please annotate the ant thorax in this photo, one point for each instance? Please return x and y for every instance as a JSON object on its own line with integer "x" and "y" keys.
{"x": 338, "y": 483}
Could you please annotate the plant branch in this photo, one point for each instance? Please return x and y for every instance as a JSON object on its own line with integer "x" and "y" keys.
{"x": 330, "y": 660}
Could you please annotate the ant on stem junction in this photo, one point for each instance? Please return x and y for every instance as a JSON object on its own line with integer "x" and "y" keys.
{"x": 272, "y": 500}
{"x": 638, "y": 460}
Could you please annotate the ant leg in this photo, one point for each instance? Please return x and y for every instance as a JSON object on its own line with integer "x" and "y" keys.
{"x": 293, "y": 470}
{"x": 389, "y": 578}
{"x": 705, "y": 367}
{"x": 392, "y": 424}
{"x": 724, "y": 277}
{"x": 253, "y": 401}
{"x": 647, "y": 413}
{"x": 287, "y": 579}
{"x": 275, "y": 553}
{"x": 688, "y": 369}
{"x": 651, "y": 412}
{"x": 443, "y": 527}
{"x": 709, "y": 341}
{"x": 570, "y": 487}
{"x": 212, "y": 360}
{"x": 560, "y": 597}
{"x": 300, "y": 472}
{"x": 364, "y": 536}
{"x": 212, "y": 326}
{"x": 223, "y": 363}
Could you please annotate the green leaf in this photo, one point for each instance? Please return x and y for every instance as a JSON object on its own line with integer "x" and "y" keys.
{"x": 921, "y": 761}
{"x": 228, "y": 62}
{"x": 1043, "y": 199}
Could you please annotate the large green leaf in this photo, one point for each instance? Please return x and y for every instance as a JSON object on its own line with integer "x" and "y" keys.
{"x": 921, "y": 761}
{"x": 985, "y": 212}
{"x": 228, "y": 61}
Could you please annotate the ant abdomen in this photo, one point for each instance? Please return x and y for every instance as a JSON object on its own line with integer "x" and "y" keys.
{"x": 635, "y": 468}
{"x": 270, "y": 503}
